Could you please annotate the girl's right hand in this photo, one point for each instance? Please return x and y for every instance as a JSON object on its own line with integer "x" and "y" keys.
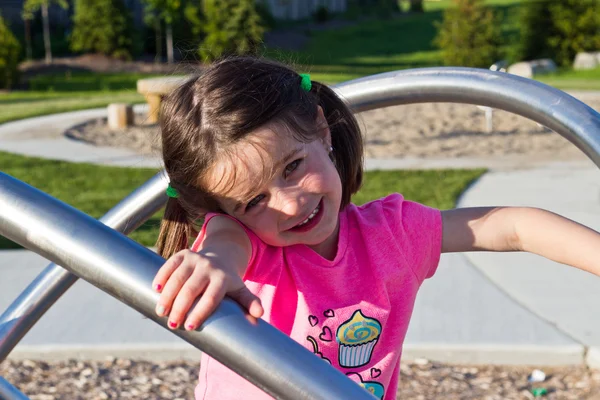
{"x": 187, "y": 275}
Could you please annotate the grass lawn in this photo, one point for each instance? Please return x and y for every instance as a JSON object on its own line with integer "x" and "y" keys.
{"x": 95, "y": 189}
{"x": 49, "y": 94}
{"x": 19, "y": 105}
{"x": 383, "y": 45}
{"x": 373, "y": 47}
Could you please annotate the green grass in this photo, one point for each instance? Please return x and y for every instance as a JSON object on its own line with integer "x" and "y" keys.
{"x": 96, "y": 189}
{"x": 90, "y": 188}
{"x": 382, "y": 45}
{"x": 55, "y": 93}
{"x": 576, "y": 80}
{"x": 443, "y": 4}
{"x": 86, "y": 82}
{"x": 435, "y": 188}
{"x": 18, "y": 105}
{"x": 378, "y": 46}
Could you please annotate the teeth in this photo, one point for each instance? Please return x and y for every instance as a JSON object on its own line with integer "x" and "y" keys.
{"x": 311, "y": 216}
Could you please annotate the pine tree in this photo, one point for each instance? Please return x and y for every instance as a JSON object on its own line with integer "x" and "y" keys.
{"x": 245, "y": 29}
{"x": 469, "y": 35}
{"x": 231, "y": 27}
{"x": 10, "y": 50}
{"x": 102, "y": 26}
{"x": 535, "y": 26}
{"x": 576, "y": 28}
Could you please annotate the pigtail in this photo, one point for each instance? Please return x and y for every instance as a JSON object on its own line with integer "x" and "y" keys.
{"x": 175, "y": 229}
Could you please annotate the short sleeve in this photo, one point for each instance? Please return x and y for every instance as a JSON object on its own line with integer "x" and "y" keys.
{"x": 418, "y": 232}
{"x": 256, "y": 244}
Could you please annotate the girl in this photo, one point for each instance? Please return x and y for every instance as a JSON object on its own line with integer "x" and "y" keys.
{"x": 271, "y": 160}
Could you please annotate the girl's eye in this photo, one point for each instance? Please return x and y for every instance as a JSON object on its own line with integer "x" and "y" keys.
{"x": 292, "y": 166}
{"x": 254, "y": 201}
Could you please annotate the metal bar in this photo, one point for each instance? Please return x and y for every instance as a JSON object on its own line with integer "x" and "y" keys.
{"x": 124, "y": 269}
{"x": 9, "y": 392}
{"x": 54, "y": 280}
{"x": 553, "y": 108}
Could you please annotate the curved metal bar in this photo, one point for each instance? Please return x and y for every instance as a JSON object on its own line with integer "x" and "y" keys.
{"x": 553, "y": 108}
{"x": 9, "y": 392}
{"x": 54, "y": 280}
{"x": 124, "y": 269}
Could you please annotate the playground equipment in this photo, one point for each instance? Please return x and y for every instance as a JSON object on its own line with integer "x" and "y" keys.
{"x": 253, "y": 349}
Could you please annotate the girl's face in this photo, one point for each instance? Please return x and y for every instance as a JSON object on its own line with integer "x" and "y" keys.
{"x": 285, "y": 191}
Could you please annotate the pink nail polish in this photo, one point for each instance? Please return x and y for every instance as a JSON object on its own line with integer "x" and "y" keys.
{"x": 172, "y": 324}
{"x": 157, "y": 287}
{"x": 190, "y": 327}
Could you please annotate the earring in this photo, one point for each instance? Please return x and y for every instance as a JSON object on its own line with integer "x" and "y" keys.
{"x": 330, "y": 149}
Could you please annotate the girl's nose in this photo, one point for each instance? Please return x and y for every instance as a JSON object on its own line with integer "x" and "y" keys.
{"x": 288, "y": 202}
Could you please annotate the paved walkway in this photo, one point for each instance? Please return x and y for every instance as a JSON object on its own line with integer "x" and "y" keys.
{"x": 480, "y": 307}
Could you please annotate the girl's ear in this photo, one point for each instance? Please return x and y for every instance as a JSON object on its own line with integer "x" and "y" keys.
{"x": 323, "y": 128}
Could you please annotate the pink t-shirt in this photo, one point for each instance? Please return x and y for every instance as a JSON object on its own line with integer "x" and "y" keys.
{"x": 353, "y": 311}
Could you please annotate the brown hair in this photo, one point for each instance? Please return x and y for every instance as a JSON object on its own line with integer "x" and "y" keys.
{"x": 231, "y": 98}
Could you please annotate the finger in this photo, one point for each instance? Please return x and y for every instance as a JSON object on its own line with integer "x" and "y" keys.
{"x": 166, "y": 270}
{"x": 173, "y": 286}
{"x": 189, "y": 292}
{"x": 248, "y": 300}
{"x": 208, "y": 303}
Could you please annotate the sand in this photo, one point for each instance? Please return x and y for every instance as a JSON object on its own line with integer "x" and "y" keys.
{"x": 428, "y": 130}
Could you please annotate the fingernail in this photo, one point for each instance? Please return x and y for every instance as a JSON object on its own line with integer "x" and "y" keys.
{"x": 157, "y": 286}
{"x": 172, "y": 324}
{"x": 190, "y": 327}
{"x": 160, "y": 310}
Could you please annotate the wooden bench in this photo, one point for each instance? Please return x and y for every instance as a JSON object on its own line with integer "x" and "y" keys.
{"x": 154, "y": 89}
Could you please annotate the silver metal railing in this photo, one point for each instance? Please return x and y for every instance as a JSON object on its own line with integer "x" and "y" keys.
{"x": 54, "y": 281}
{"x": 548, "y": 106}
{"x": 124, "y": 269}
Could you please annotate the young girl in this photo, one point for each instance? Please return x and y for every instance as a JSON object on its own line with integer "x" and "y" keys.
{"x": 271, "y": 159}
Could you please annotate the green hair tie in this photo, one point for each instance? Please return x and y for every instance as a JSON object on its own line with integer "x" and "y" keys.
{"x": 172, "y": 192}
{"x": 305, "y": 83}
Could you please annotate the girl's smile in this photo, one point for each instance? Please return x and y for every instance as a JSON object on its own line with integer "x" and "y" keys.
{"x": 311, "y": 221}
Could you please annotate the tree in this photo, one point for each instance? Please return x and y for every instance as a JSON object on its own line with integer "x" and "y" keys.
{"x": 416, "y": 6}
{"x": 576, "y": 28}
{"x": 245, "y": 28}
{"x": 9, "y": 56}
{"x": 168, "y": 11}
{"x": 469, "y": 34}
{"x": 102, "y": 26}
{"x": 232, "y": 27}
{"x": 30, "y": 7}
{"x": 535, "y": 25}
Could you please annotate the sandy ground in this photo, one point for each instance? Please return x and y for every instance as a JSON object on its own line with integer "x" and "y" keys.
{"x": 436, "y": 130}
{"x": 423, "y": 380}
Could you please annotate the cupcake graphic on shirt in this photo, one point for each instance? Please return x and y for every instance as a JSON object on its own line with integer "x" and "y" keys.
{"x": 356, "y": 338}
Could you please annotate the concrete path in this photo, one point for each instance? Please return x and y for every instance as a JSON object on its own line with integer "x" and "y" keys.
{"x": 43, "y": 137}
{"x": 480, "y": 307}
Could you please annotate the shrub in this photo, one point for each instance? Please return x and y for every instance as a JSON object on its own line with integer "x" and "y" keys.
{"x": 469, "y": 35}
{"x": 10, "y": 49}
{"x": 102, "y": 26}
{"x": 576, "y": 26}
